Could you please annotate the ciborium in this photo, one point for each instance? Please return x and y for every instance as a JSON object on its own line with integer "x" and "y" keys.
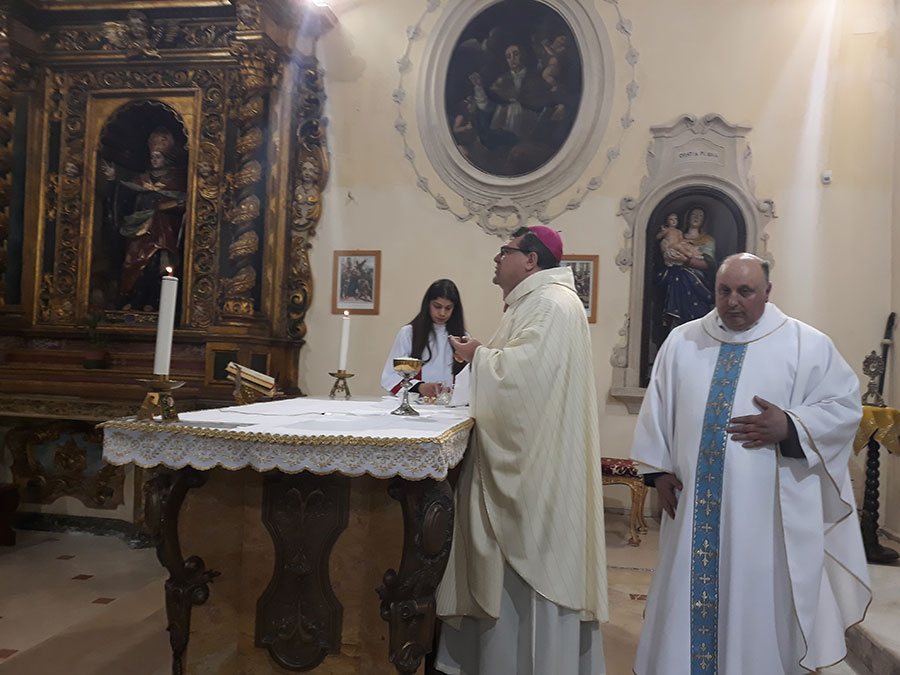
{"x": 406, "y": 367}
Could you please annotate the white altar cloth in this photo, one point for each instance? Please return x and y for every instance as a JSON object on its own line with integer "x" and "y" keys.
{"x": 322, "y": 436}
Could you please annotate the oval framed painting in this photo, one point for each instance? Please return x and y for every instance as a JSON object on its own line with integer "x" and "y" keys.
{"x": 514, "y": 96}
{"x": 513, "y": 87}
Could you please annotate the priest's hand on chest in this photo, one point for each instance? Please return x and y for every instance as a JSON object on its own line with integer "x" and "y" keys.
{"x": 767, "y": 428}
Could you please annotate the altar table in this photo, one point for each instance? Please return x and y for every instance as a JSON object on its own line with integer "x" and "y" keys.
{"x": 308, "y": 449}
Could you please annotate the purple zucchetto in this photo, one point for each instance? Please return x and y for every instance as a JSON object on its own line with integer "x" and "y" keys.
{"x": 549, "y": 238}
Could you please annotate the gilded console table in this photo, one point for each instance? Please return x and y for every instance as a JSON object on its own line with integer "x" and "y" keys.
{"x": 308, "y": 448}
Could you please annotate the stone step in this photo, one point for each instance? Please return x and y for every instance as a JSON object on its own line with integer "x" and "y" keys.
{"x": 875, "y": 643}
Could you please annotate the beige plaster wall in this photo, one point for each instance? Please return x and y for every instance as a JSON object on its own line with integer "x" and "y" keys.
{"x": 890, "y": 483}
{"x": 815, "y": 79}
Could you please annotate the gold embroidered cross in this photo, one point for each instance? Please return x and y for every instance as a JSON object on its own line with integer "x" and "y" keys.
{"x": 719, "y": 404}
{"x": 705, "y": 553}
{"x": 708, "y": 503}
{"x": 705, "y": 605}
{"x": 704, "y": 657}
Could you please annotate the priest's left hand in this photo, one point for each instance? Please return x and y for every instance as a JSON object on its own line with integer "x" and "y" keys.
{"x": 767, "y": 428}
{"x": 464, "y": 346}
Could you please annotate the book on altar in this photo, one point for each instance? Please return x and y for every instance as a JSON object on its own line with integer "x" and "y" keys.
{"x": 252, "y": 378}
{"x": 461, "y": 388}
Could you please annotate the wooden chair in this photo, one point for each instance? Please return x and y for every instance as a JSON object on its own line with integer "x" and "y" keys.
{"x": 622, "y": 472}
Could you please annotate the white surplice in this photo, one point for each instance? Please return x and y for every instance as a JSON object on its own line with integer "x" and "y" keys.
{"x": 530, "y": 492}
{"x": 792, "y": 571}
{"x": 438, "y": 368}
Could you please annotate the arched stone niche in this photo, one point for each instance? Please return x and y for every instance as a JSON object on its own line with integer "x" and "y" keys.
{"x": 695, "y": 161}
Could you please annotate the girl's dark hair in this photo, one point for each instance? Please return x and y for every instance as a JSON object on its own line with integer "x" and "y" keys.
{"x": 422, "y": 325}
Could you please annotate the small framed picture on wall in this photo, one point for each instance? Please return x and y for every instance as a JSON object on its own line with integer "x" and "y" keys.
{"x": 356, "y": 279}
{"x": 584, "y": 268}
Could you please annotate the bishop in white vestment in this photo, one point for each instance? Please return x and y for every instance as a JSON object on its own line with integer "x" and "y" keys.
{"x": 762, "y": 568}
{"x": 525, "y": 586}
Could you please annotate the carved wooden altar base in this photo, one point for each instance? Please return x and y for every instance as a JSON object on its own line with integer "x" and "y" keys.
{"x": 318, "y": 602}
{"x": 303, "y": 469}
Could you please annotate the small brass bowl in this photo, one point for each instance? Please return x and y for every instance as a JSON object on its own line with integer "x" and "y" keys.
{"x": 407, "y": 364}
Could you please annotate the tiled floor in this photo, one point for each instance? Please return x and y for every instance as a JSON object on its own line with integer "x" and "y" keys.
{"x": 82, "y": 604}
{"x": 78, "y": 603}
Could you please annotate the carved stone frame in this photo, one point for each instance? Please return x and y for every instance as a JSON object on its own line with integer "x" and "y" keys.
{"x": 691, "y": 152}
{"x": 528, "y": 192}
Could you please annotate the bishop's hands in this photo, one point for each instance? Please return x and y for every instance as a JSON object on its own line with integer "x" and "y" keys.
{"x": 464, "y": 347}
{"x": 429, "y": 389}
{"x": 767, "y": 428}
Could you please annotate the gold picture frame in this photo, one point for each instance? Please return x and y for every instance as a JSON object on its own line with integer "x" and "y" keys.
{"x": 355, "y": 282}
{"x": 584, "y": 268}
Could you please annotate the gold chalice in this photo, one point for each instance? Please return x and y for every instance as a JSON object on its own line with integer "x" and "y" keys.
{"x": 406, "y": 367}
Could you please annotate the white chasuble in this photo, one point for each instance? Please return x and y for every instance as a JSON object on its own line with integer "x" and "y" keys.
{"x": 530, "y": 492}
{"x": 790, "y": 574}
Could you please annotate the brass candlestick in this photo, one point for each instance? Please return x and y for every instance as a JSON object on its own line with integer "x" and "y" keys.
{"x": 406, "y": 367}
{"x": 159, "y": 400}
{"x": 340, "y": 384}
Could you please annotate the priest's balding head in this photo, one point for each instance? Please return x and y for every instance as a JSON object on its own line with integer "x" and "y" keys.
{"x": 742, "y": 290}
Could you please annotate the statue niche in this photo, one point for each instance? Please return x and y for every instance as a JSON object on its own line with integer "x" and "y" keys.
{"x": 141, "y": 193}
{"x": 689, "y": 232}
{"x": 698, "y": 177}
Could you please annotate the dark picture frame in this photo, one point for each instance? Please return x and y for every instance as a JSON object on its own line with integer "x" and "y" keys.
{"x": 356, "y": 281}
{"x": 584, "y": 268}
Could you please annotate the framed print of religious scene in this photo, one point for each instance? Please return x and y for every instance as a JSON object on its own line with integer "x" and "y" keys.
{"x": 584, "y": 269}
{"x": 513, "y": 87}
{"x": 355, "y": 282}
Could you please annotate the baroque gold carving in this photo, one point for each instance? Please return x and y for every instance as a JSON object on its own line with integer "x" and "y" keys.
{"x": 250, "y": 142}
{"x": 68, "y": 93}
{"x": 50, "y": 460}
{"x": 247, "y": 12}
{"x": 259, "y": 64}
{"x": 309, "y": 172}
{"x": 69, "y": 409}
{"x": 208, "y": 171}
{"x": 249, "y": 175}
{"x": 258, "y": 70}
{"x": 6, "y": 125}
{"x": 119, "y": 36}
{"x": 246, "y": 244}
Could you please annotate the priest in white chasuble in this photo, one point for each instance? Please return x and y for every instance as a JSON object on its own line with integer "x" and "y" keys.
{"x": 747, "y": 425}
{"x": 525, "y": 586}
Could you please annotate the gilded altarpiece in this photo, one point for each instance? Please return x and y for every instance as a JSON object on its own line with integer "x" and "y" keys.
{"x": 140, "y": 135}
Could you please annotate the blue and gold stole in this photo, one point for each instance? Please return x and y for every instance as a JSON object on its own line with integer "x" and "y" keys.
{"x": 707, "y": 511}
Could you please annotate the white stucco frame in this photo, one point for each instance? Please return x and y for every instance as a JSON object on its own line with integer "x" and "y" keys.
{"x": 693, "y": 151}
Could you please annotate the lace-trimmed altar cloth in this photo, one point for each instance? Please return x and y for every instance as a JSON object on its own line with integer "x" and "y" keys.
{"x": 322, "y": 436}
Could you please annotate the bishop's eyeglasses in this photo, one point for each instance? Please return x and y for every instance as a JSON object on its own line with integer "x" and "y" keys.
{"x": 506, "y": 250}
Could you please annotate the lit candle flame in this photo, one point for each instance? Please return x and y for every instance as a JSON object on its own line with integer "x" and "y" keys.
{"x": 346, "y": 312}
{"x": 169, "y": 270}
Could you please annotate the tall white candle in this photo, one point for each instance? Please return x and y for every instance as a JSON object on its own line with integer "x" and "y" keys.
{"x": 165, "y": 327}
{"x": 345, "y": 341}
